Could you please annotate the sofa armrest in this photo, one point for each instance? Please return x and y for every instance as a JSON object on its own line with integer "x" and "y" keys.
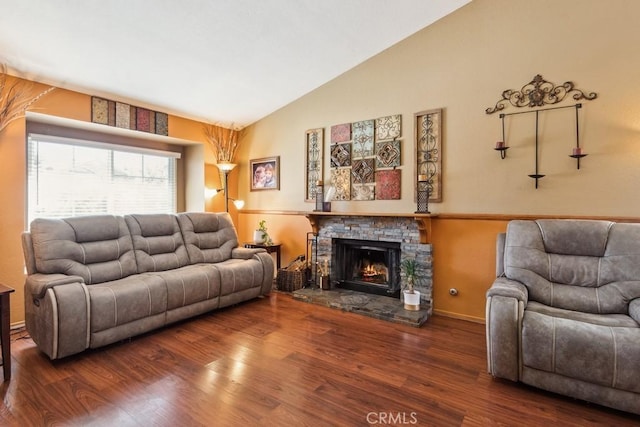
{"x": 634, "y": 310}
{"x": 57, "y": 313}
{"x": 506, "y": 300}
{"x": 245, "y": 253}
{"x": 37, "y": 284}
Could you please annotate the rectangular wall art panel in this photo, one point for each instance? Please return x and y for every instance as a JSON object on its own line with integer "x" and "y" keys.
{"x": 388, "y": 185}
{"x": 363, "y": 192}
{"x": 314, "y": 152}
{"x": 341, "y": 181}
{"x": 362, "y": 139}
{"x": 389, "y": 127}
{"x": 428, "y": 125}
{"x": 340, "y": 155}
{"x": 388, "y": 154}
{"x": 341, "y": 133}
{"x": 125, "y": 116}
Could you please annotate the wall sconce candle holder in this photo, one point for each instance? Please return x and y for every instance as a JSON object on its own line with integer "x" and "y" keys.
{"x": 502, "y": 145}
{"x": 538, "y": 93}
{"x": 423, "y": 190}
{"x": 319, "y": 196}
{"x": 577, "y": 152}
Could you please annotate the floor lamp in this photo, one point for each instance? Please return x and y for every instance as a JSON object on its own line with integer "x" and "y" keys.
{"x": 226, "y": 168}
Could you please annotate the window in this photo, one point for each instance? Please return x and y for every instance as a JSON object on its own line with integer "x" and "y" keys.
{"x": 69, "y": 177}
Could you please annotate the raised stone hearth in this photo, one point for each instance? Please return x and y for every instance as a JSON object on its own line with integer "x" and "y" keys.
{"x": 405, "y": 229}
{"x": 376, "y": 306}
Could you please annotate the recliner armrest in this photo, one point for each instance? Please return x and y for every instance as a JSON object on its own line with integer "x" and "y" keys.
{"x": 509, "y": 288}
{"x": 634, "y": 310}
{"x": 37, "y": 284}
{"x": 506, "y": 300}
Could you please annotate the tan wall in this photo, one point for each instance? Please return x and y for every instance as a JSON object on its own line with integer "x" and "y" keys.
{"x": 462, "y": 64}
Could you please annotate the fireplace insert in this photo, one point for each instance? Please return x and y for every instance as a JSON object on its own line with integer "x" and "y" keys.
{"x": 367, "y": 266}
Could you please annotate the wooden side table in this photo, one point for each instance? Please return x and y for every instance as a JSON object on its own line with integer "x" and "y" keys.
{"x": 274, "y": 247}
{"x": 5, "y": 332}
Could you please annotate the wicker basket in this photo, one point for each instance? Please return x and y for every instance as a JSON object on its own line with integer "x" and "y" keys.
{"x": 289, "y": 281}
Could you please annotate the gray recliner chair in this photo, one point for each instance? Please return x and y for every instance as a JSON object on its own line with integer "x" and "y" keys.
{"x": 564, "y": 312}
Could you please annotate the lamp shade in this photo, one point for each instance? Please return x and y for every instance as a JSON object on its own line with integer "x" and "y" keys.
{"x": 225, "y": 166}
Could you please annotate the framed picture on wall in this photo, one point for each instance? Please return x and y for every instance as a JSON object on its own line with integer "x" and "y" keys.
{"x": 265, "y": 173}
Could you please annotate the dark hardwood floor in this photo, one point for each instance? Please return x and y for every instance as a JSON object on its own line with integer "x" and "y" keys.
{"x": 280, "y": 362}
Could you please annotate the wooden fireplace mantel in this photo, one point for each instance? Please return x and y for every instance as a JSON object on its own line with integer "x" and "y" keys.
{"x": 423, "y": 220}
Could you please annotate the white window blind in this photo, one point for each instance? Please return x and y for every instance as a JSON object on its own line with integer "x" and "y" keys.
{"x": 69, "y": 177}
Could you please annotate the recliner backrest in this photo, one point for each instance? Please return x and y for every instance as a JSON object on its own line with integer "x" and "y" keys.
{"x": 97, "y": 248}
{"x": 583, "y": 265}
{"x": 209, "y": 237}
{"x": 157, "y": 242}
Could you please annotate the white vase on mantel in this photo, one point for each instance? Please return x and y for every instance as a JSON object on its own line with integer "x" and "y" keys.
{"x": 411, "y": 300}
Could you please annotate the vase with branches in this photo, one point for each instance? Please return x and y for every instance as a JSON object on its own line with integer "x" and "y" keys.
{"x": 15, "y": 98}
{"x": 224, "y": 142}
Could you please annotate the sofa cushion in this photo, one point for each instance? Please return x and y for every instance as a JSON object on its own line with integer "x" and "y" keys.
{"x": 122, "y": 301}
{"x": 190, "y": 284}
{"x": 595, "y": 353}
{"x": 238, "y": 275}
{"x": 590, "y": 266}
{"x": 208, "y": 237}
{"x": 97, "y": 248}
{"x": 157, "y": 242}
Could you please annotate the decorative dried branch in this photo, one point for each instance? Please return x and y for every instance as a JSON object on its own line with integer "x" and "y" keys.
{"x": 224, "y": 142}
{"x": 14, "y": 100}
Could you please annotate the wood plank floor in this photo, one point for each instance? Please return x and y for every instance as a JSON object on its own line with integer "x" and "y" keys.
{"x": 280, "y": 362}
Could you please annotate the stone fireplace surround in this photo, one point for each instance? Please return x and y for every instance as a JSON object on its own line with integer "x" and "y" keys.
{"x": 410, "y": 230}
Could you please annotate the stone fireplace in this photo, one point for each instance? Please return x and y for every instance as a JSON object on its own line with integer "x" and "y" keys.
{"x": 375, "y": 237}
{"x": 370, "y": 266}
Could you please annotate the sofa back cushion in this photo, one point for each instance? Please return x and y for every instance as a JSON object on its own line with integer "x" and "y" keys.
{"x": 583, "y": 265}
{"x": 209, "y": 237}
{"x": 97, "y": 248}
{"x": 157, "y": 242}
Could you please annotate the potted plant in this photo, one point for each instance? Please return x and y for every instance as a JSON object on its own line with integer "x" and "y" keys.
{"x": 260, "y": 236}
{"x": 411, "y": 296}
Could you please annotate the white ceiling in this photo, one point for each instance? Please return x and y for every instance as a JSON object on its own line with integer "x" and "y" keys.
{"x": 218, "y": 61}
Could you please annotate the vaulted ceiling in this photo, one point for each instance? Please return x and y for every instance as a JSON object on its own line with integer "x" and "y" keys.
{"x": 218, "y": 61}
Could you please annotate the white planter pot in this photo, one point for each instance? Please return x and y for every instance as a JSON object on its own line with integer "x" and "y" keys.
{"x": 412, "y": 301}
{"x": 258, "y": 237}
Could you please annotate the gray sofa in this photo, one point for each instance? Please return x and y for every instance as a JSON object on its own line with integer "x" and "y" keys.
{"x": 95, "y": 280}
{"x": 564, "y": 313}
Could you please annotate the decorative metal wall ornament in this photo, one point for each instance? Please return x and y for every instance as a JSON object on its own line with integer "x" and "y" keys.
{"x": 314, "y": 151}
{"x": 428, "y": 125}
{"x": 538, "y": 93}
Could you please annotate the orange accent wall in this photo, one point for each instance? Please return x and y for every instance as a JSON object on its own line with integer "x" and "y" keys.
{"x": 289, "y": 230}
{"x": 60, "y": 103}
{"x": 464, "y": 258}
